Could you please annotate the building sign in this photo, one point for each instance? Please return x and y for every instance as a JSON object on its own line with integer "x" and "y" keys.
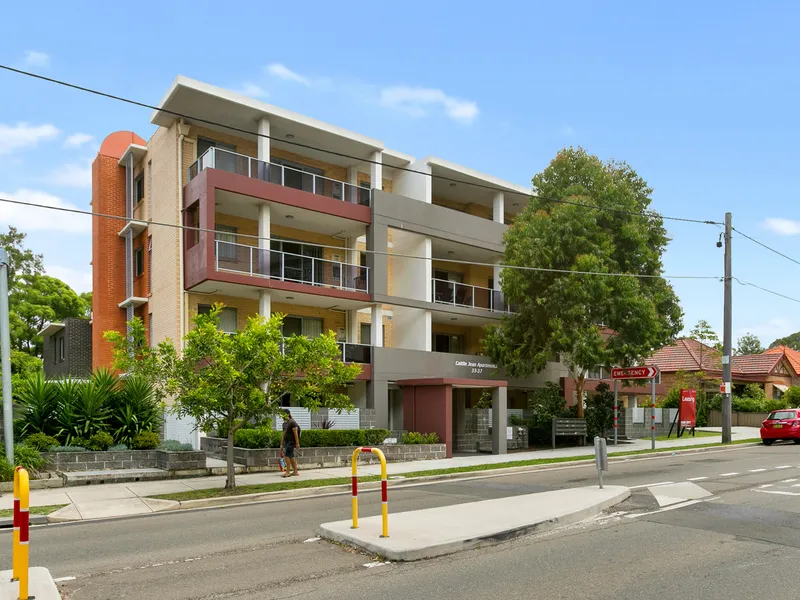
{"x": 687, "y": 411}
{"x": 475, "y": 368}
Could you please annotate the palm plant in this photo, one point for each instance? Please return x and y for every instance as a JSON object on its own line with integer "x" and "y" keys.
{"x": 137, "y": 411}
{"x": 68, "y": 392}
{"x": 39, "y": 402}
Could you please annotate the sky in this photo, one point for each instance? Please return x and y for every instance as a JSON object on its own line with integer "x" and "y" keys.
{"x": 699, "y": 98}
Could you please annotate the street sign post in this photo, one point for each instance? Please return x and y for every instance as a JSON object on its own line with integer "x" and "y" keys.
{"x": 641, "y": 373}
{"x": 600, "y": 457}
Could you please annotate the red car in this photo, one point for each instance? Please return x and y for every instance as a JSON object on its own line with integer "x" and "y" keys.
{"x": 781, "y": 425}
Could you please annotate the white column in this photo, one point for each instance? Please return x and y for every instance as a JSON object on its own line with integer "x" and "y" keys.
{"x": 264, "y": 303}
{"x": 376, "y": 328}
{"x": 352, "y": 175}
{"x": 352, "y": 327}
{"x": 263, "y": 225}
{"x": 498, "y": 208}
{"x": 263, "y": 142}
{"x": 428, "y": 342}
{"x": 376, "y": 170}
{"x": 427, "y": 265}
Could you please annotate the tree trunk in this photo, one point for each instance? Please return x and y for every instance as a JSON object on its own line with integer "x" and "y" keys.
{"x": 230, "y": 482}
{"x": 579, "y": 383}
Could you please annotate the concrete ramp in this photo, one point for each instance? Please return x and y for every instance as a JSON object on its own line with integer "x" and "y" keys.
{"x": 420, "y": 534}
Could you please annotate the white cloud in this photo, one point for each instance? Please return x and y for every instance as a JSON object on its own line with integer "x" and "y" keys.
{"x": 783, "y": 226}
{"x": 769, "y": 330}
{"x": 80, "y": 281}
{"x": 283, "y": 72}
{"x": 568, "y": 131}
{"x": 28, "y": 218}
{"x": 417, "y": 102}
{"x": 34, "y": 58}
{"x": 22, "y": 135}
{"x": 253, "y": 90}
{"x": 72, "y": 175}
{"x": 76, "y": 140}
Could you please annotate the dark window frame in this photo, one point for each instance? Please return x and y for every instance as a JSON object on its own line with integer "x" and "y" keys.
{"x": 138, "y": 261}
{"x": 138, "y": 188}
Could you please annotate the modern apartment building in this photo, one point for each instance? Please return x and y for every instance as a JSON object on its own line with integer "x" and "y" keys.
{"x": 326, "y": 226}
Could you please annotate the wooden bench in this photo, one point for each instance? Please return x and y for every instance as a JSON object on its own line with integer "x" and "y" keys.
{"x": 569, "y": 428}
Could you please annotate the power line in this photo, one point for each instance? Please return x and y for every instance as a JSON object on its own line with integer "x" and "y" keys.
{"x": 335, "y": 153}
{"x": 763, "y": 245}
{"x": 763, "y": 289}
{"x": 89, "y": 213}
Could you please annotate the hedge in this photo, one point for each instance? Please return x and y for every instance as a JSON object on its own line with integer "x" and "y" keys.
{"x": 311, "y": 438}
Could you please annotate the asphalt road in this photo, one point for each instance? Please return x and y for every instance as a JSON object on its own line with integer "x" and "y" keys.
{"x": 744, "y": 543}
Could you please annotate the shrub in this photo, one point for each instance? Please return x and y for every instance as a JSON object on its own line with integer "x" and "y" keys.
{"x": 100, "y": 441}
{"x": 792, "y": 396}
{"x": 67, "y": 449}
{"x": 175, "y": 446}
{"x": 770, "y": 405}
{"x": 6, "y": 469}
{"x": 222, "y": 428}
{"x": 135, "y": 410}
{"x": 39, "y": 402}
{"x": 29, "y": 458}
{"x": 599, "y": 413}
{"x": 263, "y": 437}
{"x": 314, "y": 438}
{"x": 40, "y": 441}
{"x": 79, "y": 443}
{"x": 147, "y": 440}
{"x": 747, "y": 404}
{"x": 754, "y": 391}
{"x": 673, "y": 399}
{"x": 517, "y": 421}
{"x": 117, "y": 448}
{"x": 412, "y": 437}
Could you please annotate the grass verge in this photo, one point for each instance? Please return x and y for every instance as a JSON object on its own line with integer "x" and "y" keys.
{"x": 296, "y": 484}
{"x": 33, "y": 510}
{"x": 688, "y": 435}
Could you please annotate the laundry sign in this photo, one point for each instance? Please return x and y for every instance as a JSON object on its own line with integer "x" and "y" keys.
{"x": 475, "y": 367}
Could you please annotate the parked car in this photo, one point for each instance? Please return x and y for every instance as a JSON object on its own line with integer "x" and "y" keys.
{"x": 781, "y": 425}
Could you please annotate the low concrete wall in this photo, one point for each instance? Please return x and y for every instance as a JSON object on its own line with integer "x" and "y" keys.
{"x": 338, "y": 456}
{"x": 125, "y": 459}
{"x": 738, "y": 419}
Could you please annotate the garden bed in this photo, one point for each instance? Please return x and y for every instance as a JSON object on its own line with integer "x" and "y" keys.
{"x": 125, "y": 459}
{"x": 326, "y": 456}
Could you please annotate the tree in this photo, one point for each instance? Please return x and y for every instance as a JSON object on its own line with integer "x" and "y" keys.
{"x": 792, "y": 341}
{"x": 86, "y": 297}
{"x": 600, "y": 411}
{"x": 748, "y": 344}
{"x": 236, "y": 378}
{"x": 564, "y": 304}
{"x": 35, "y": 300}
{"x": 708, "y": 338}
{"x": 22, "y": 261}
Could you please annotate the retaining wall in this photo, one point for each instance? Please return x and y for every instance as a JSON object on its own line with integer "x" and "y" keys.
{"x": 125, "y": 459}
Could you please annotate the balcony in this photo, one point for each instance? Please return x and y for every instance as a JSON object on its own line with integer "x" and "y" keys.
{"x": 247, "y": 166}
{"x": 356, "y": 353}
{"x": 468, "y": 296}
{"x": 294, "y": 268}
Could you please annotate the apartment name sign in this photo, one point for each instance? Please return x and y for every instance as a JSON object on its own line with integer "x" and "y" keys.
{"x": 475, "y": 367}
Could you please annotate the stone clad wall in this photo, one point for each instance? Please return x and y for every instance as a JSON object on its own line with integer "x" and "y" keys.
{"x": 125, "y": 459}
{"x": 321, "y": 457}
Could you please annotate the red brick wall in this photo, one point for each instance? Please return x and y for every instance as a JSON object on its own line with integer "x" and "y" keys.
{"x": 108, "y": 255}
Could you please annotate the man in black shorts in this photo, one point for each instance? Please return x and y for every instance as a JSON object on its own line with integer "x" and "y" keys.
{"x": 290, "y": 440}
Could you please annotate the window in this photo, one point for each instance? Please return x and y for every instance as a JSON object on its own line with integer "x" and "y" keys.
{"x": 366, "y": 334}
{"x": 780, "y": 415}
{"x": 226, "y": 238}
{"x": 298, "y": 176}
{"x": 309, "y": 327}
{"x": 228, "y": 318}
{"x": 362, "y": 259}
{"x": 363, "y": 193}
{"x": 191, "y": 220}
{"x": 444, "y": 342}
{"x": 203, "y": 144}
{"x": 61, "y": 353}
{"x": 139, "y": 261}
{"x": 138, "y": 188}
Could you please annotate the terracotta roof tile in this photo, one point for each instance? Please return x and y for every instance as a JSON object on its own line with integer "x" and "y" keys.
{"x": 685, "y": 355}
{"x": 756, "y": 364}
{"x": 792, "y": 355}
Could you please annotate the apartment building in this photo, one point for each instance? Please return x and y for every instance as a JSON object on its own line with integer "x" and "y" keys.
{"x": 326, "y": 226}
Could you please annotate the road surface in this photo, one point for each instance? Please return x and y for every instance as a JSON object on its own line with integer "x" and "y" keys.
{"x": 743, "y": 543}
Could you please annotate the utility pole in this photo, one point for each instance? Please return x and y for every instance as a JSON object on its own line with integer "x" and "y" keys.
{"x": 5, "y": 355}
{"x": 727, "y": 334}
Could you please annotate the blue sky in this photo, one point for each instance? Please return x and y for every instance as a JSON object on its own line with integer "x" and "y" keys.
{"x": 698, "y": 97}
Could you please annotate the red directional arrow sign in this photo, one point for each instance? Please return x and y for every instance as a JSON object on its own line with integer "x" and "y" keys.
{"x": 634, "y": 373}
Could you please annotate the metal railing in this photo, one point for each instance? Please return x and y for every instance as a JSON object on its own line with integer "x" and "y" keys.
{"x": 356, "y": 353}
{"x": 232, "y": 162}
{"x": 472, "y": 296}
{"x": 284, "y": 266}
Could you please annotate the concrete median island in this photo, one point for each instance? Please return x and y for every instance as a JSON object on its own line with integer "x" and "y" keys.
{"x": 420, "y": 534}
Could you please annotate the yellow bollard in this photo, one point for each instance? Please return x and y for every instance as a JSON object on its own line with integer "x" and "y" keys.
{"x": 384, "y": 489}
{"x": 21, "y": 530}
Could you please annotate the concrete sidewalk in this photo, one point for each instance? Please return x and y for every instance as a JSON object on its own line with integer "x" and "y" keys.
{"x": 124, "y": 499}
{"x": 421, "y": 534}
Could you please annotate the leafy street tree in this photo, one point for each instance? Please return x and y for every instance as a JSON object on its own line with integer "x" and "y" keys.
{"x": 708, "y": 338}
{"x": 570, "y": 308}
{"x": 792, "y": 341}
{"x": 86, "y": 297}
{"x": 22, "y": 261}
{"x": 748, "y": 344}
{"x": 241, "y": 377}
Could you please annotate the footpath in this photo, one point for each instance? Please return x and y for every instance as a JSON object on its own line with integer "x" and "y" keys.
{"x": 128, "y": 499}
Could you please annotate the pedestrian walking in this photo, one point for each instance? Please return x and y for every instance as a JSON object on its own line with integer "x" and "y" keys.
{"x": 290, "y": 441}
